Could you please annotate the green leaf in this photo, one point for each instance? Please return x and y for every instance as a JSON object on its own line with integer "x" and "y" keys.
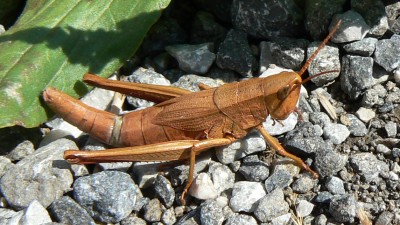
{"x": 55, "y": 42}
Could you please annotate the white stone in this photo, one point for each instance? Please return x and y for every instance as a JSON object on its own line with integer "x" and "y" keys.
{"x": 365, "y": 114}
{"x": 203, "y": 188}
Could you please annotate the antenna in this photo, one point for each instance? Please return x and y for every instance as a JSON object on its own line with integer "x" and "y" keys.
{"x": 307, "y": 64}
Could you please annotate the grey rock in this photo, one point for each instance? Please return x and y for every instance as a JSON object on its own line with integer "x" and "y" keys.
{"x": 318, "y": 14}
{"x": 356, "y": 127}
{"x": 353, "y": 27}
{"x": 164, "y": 190}
{"x": 393, "y": 96}
{"x": 168, "y": 217}
{"x": 79, "y": 170}
{"x": 356, "y": 75}
{"x": 386, "y": 108}
{"x": 373, "y": 12}
{"x": 272, "y": 19}
{"x": 254, "y": 169}
{"x": 252, "y": 143}
{"x": 287, "y": 165}
{"x": 343, "y": 208}
{"x": 324, "y": 197}
{"x": 206, "y": 29}
{"x": 326, "y": 60}
{"x": 195, "y": 59}
{"x": 374, "y": 96}
{"x": 391, "y": 129}
{"x": 145, "y": 76}
{"x": 21, "y": 151}
{"x": 364, "y": 47}
{"x": 337, "y": 133}
{"x": 304, "y": 208}
{"x": 392, "y": 11}
{"x": 328, "y": 162}
{"x": 5, "y": 165}
{"x": 191, "y": 82}
{"x": 335, "y": 185}
{"x": 383, "y": 149}
{"x": 145, "y": 173}
{"x": 279, "y": 179}
{"x": 133, "y": 220}
{"x": 235, "y": 54}
{"x": 385, "y": 218}
{"x": 153, "y": 211}
{"x": 393, "y": 176}
{"x": 8, "y": 214}
{"x": 211, "y": 213}
{"x": 303, "y": 184}
{"x": 222, "y": 177}
{"x": 368, "y": 166}
{"x": 319, "y": 118}
{"x": 241, "y": 219}
{"x": 66, "y": 210}
{"x": 304, "y": 139}
{"x": 245, "y": 196}
{"x": 396, "y": 152}
{"x": 272, "y": 205}
{"x": 387, "y": 53}
{"x": 288, "y": 52}
{"x": 321, "y": 220}
{"x": 63, "y": 130}
{"x": 35, "y": 213}
{"x": 42, "y": 176}
{"x": 283, "y": 219}
{"x": 108, "y": 196}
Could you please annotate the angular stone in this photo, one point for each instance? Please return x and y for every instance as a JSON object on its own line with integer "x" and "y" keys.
{"x": 108, "y": 196}
{"x": 43, "y": 176}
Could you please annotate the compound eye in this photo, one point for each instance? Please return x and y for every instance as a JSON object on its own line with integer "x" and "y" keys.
{"x": 283, "y": 92}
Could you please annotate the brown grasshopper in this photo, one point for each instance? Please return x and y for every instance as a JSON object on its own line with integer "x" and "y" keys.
{"x": 182, "y": 124}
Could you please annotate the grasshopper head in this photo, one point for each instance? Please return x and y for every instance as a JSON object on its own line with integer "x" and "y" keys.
{"x": 281, "y": 93}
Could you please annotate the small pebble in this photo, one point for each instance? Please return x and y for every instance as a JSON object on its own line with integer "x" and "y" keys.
{"x": 153, "y": 211}
{"x": 343, "y": 208}
{"x": 335, "y": 185}
{"x": 303, "y": 184}
{"x": 203, "y": 188}
{"x": 304, "y": 208}
{"x": 271, "y": 206}
{"x": 245, "y": 196}
{"x": 168, "y": 217}
{"x": 279, "y": 179}
{"x": 337, "y": 133}
{"x": 367, "y": 165}
{"x": 164, "y": 190}
{"x": 365, "y": 114}
{"x": 241, "y": 219}
{"x": 254, "y": 169}
{"x": 353, "y": 27}
{"x": 391, "y": 129}
{"x": 383, "y": 149}
{"x": 195, "y": 59}
{"x": 211, "y": 213}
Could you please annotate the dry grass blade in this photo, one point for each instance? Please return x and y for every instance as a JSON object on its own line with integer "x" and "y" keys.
{"x": 362, "y": 215}
{"x": 327, "y": 106}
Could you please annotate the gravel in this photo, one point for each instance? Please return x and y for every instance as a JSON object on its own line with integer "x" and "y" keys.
{"x": 350, "y": 137}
